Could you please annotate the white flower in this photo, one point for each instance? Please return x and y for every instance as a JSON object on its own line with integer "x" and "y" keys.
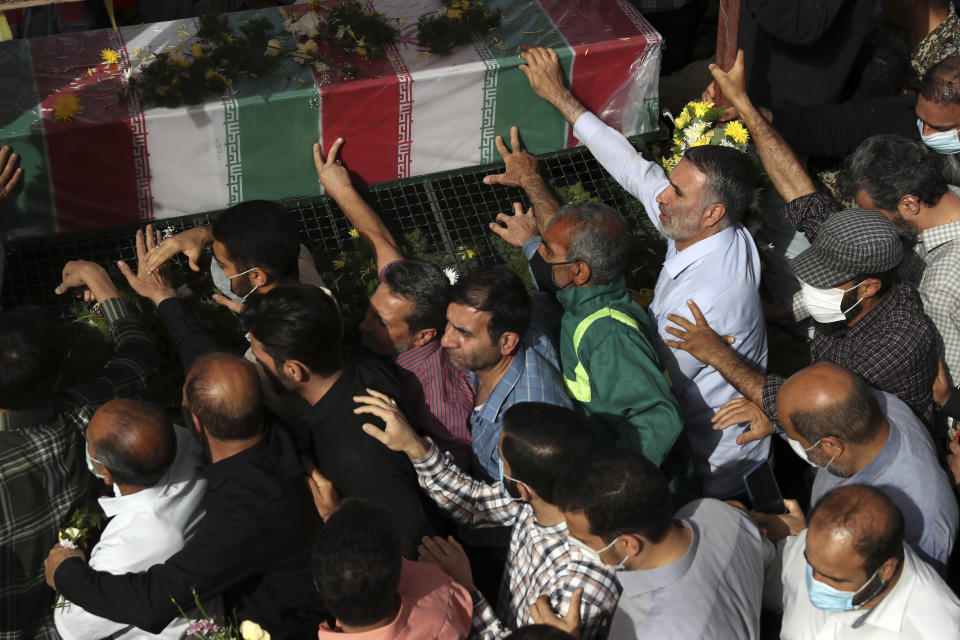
{"x": 273, "y": 48}
{"x": 252, "y": 631}
{"x": 694, "y": 131}
{"x": 452, "y": 275}
{"x": 71, "y": 534}
{"x": 307, "y": 25}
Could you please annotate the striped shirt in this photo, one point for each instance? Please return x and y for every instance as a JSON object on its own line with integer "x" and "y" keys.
{"x": 540, "y": 561}
{"x": 440, "y": 396}
{"x": 43, "y": 477}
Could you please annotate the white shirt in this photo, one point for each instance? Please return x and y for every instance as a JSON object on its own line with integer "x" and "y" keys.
{"x": 712, "y": 592}
{"x": 145, "y": 529}
{"x": 920, "y": 606}
{"x": 721, "y": 274}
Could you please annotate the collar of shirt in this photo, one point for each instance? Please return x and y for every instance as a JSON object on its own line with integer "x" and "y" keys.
{"x": 890, "y": 611}
{"x": 339, "y": 392}
{"x": 414, "y": 359}
{"x": 941, "y": 234}
{"x": 677, "y": 261}
{"x": 220, "y": 472}
{"x": 643, "y": 580}
{"x": 25, "y": 418}
{"x": 883, "y": 461}
{"x": 583, "y": 300}
{"x": 490, "y": 409}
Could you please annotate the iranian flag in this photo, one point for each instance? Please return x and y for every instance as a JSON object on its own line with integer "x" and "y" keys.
{"x": 411, "y": 114}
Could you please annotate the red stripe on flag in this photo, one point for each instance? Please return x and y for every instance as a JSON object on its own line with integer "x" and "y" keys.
{"x": 70, "y": 11}
{"x": 600, "y": 67}
{"x": 14, "y": 16}
{"x": 91, "y": 160}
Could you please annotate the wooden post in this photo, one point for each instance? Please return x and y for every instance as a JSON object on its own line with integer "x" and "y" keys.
{"x": 727, "y": 23}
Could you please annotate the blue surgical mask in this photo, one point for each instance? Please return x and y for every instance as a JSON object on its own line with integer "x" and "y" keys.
{"x": 945, "y": 142}
{"x": 222, "y": 282}
{"x": 828, "y": 598}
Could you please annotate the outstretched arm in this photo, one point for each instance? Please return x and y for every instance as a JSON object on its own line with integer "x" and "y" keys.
{"x": 522, "y": 171}
{"x": 785, "y": 171}
{"x": 336, "y": 181}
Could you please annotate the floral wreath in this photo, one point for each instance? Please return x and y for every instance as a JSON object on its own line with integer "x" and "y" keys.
{"x": 694, "y": 127}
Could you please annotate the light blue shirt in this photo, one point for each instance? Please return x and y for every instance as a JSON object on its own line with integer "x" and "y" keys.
{"x": 721, "y": 274}
{"x": 712, "y": 592}
{"x": 907, "y": 470}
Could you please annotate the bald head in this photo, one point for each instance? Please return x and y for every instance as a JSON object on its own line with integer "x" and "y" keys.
{"x": 223, "y": 391}
{"x": 861, "y": 520}
{"x": 134, "y": 441}
{"x": 826, "y": 400}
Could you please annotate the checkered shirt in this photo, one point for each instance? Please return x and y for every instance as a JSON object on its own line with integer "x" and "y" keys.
{"x": 541, "y": 561}
{"x": 43, "y": 476}
{"x": 940, "y": 288}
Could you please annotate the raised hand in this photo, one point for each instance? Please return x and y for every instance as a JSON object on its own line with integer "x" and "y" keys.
{"x": 88, "y": 277}
{"x": 9, "y": 174}
{"x": 521, "y": 166}
{"x": 518, "y": 228}
{"x": 742, "y": 410}
{"x": 547, "y": 81}
{"x": 733, "y": 83}
{"x": 541, "y": 613}
{"x": 152, "y": 285}
{"x": 398, "y": 434}
{"x": 776, "y": 527}
{"x": 190, "y": 243}
{"x": 696, "y": 338}
{"x": 449, "y": 556}
{"x": 330, "y": 172}
{"x": 325, "y": 496}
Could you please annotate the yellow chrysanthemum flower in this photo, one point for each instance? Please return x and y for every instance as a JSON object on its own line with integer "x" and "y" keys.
{"x": 354, "y": 233}
{"x": 682, "y": 120}
{"x": 67, "y": 107}
{"x": 110, "y": 56}
{"x": 178, "y": 62}
{"x": 700, "y": 108}
{"x": 197, "y": 51}
{"x": 737, "y": 132}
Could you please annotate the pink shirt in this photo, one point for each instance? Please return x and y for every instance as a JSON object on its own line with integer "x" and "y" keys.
{"x": 433, "y": 607}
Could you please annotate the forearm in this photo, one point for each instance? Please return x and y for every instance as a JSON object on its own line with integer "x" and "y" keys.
{"x": 368, "y": 224}
{"x": 746, "y": 380}
{"x": 785, "y": 171}
{"x": 566, "y": 103}
{"x": 485, "y": 625}
{"x": 544, "y": 204}
{"x": 191, "y": 337}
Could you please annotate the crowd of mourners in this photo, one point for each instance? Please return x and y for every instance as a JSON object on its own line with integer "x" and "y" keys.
{"x": 491, "y": 462}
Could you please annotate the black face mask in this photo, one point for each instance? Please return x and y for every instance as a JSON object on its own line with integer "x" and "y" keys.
{"x": 543, "y": 273}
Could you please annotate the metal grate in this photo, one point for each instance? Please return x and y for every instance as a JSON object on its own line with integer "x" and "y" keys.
{"x": 450, "y": 211}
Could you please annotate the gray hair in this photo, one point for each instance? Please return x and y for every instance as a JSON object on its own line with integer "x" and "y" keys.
{"x": 597, "y": 237}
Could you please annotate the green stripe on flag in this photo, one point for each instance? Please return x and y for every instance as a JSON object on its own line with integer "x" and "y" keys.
{"x": 276, "y": 146}
{"x": 508, "y": 97}
{"x": 20, "y": 128}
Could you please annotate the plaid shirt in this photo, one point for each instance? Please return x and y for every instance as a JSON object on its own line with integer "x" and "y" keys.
{"x": 43, "y": 475}
{"x": 533, "y": 376}
{"x": 541, "y": 561}
{"x": 940, "y": 288}
{"x": 894, "y": 347}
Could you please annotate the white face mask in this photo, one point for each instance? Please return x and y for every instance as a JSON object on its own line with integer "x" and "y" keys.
{"x": 594, "y": 555}
{"x": 825, "y": 305}
{"x": 222, "y": 282}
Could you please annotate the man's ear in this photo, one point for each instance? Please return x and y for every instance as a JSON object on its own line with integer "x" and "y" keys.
{"x": 509, "y": 341}
{"x": 633, "y": 545}
{"x": 869, "y": 288}
{"x": 423, "y": 336}
{"x": 713, "y": 214}
{"x": 580, "y": 272}
{"x": 908, "y": 206}
{"x": 296, "y": 370}
{"x": 260, "y": 277}
{"x": 832, "y": 447}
